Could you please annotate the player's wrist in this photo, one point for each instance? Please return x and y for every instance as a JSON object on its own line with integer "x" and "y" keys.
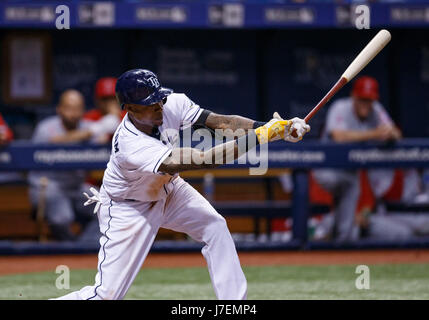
{"x": 257, "y": 124}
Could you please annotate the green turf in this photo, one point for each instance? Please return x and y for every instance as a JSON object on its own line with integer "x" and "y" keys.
{"x": 400, "y": 281}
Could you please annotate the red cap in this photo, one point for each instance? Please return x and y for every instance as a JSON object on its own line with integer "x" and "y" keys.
{"x": 366, "y": 87}
{"x": 105, "y": 87}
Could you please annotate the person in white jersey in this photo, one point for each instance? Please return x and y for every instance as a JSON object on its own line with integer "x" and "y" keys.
{"x": 142, "y": 190}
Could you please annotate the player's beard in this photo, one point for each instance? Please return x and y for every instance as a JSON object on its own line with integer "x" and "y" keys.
{"x": 70, "y": 125}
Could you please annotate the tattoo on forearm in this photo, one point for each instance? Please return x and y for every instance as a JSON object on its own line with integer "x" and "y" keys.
{"x": 219, "y": 121}
{"x": 190, "y": 159}
{"x": 184, "y": 159}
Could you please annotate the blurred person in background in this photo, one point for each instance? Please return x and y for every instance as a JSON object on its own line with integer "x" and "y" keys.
{"x": 62, "y": 190}
{"x": 361, "y": 118}
{"x": 105, "y": 104}
{"x": 6, "y": 137}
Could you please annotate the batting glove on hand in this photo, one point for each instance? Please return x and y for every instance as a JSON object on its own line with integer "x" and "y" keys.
{"x": 93, "y": 199}
{"x": 273, "y": 130}
{"x": 296, "y": 124}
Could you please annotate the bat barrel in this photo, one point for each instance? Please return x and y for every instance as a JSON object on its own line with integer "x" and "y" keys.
{"x": 368, "y": 53}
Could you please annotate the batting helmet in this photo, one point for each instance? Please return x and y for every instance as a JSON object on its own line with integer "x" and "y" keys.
{"x": 140, "y": 86}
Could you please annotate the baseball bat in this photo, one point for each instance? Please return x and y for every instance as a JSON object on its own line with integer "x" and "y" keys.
{"x": 368, "y": 53}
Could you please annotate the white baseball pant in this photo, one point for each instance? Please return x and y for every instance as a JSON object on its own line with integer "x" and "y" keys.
{"x": 129, "y": 228}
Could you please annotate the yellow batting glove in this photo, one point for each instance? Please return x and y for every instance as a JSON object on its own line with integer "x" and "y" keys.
{"x": 271, "y": 131}
{"x": 296, "y": 124}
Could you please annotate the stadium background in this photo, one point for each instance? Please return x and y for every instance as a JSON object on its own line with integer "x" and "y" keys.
{"x": 230, "y": 58}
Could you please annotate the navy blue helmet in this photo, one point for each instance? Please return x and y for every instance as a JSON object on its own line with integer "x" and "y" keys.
{"x": 140, "y": 86}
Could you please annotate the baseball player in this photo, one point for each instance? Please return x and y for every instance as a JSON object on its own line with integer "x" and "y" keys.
{"x": 6, "y": 136}
{"x": 142, "y": 190}
{"x": 358, "y": 118}
{"x": 106, "y": 105}
{"x": 66, "y": 127}
{"x": 105, "y": 100}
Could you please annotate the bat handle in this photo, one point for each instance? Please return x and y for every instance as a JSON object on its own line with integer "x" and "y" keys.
{"x": 337, "y": 86}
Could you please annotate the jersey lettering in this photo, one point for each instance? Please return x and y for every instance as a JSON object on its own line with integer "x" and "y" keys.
{"x": 116, "y": 143}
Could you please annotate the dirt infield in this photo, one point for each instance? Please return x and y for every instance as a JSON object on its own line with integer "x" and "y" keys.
{"x": 26, "y": 264}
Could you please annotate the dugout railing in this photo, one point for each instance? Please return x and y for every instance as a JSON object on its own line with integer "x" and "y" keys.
{"x": 300, "y": 158}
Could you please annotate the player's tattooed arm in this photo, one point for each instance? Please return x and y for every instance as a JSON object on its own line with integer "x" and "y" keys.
{"x": 183, "y": 159}
{"x": 231, "y": 122}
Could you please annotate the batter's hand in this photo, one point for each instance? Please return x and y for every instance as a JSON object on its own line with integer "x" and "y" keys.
{"x": 93, "y": 199}
{"x": 295, "y": 124}
{"x": 273, "y": 130}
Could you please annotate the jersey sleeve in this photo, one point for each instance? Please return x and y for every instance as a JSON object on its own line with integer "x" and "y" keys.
{"x": 190, "y": 112}
{"x": 336, "y": 118}
{"x": 145, "y": 157}
{"x": 382, "y": 115}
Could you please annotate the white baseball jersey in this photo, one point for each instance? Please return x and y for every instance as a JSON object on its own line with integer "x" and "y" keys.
{"x": 129, "y": 227}
{"x": 132, "y": 172}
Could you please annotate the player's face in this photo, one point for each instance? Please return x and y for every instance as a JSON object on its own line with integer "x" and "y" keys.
{"x": 363, "y": 107}
{"x": 146, "y": 115}
{"x": 71, "y": 110}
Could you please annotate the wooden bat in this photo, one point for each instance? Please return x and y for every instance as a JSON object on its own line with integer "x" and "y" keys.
{"x": 368, "y": 53}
